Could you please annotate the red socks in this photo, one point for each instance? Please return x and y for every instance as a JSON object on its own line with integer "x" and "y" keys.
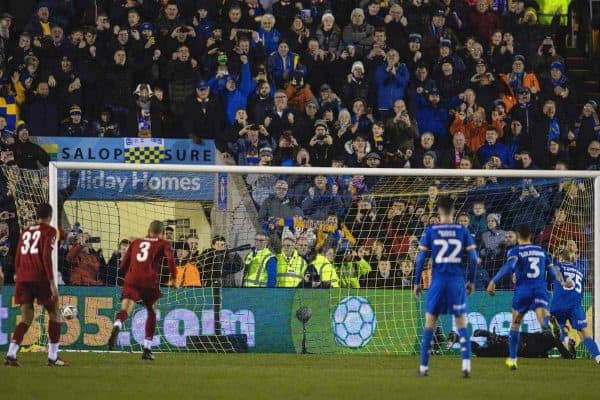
{"x": 19, "y": 332}
{"x": 150, "y": 324}
{"x": 122, "y": 315}
{"x": 54, "y": 331}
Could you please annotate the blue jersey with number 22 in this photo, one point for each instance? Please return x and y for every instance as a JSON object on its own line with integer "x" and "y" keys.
{"x": 447, "y": 243}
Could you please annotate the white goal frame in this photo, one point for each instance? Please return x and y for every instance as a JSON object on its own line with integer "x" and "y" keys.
{"x": 237, "y": 169}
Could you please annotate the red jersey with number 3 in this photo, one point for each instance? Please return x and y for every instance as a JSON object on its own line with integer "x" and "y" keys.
{"x": 33, "y": 262}
{"x": 143, "y": 260}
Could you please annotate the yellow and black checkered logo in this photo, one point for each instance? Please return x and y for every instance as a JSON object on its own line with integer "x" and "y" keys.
{"x": 145, "y": 155}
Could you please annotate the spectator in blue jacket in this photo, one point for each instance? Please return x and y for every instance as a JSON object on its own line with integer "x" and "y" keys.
{"x": 234, "y": 96}
{"x": 494, "y": 148}
{"x": 432, "y": 114}
{"x": 282, "y": 64}
{"x": 391, "y": 79}
{"x": 247, "y": 148}
{"x": 322, "y": 200}
{"x": 268, "y": 35}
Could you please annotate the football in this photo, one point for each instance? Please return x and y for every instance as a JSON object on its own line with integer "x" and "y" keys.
{"x": 354, "y": 322}
{"x": 69, "y": 311}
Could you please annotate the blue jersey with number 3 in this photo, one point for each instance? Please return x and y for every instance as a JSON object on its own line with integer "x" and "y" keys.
{"x": 530, "y": 263}
{"x": 567, "y": 298}
{"x": 447, "y": 243}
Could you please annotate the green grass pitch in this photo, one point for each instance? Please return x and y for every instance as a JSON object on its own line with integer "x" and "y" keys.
{"x": 275, "y": 376}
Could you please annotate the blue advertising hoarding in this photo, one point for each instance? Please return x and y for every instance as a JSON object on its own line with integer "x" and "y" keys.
{"x": 131, "y": 185}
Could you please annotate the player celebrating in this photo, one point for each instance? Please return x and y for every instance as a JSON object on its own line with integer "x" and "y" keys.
{"x": 529, "y": 263}
{"x": 35, "y": 280}
{"x": 566, "y": 302}
{"x": 141, "y": 265}
{"x": 447, "y": 293}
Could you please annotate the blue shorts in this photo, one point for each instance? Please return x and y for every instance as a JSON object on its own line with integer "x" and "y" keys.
{"x": 447, "y": 297}
{"x": 530, "y": 298}
{"x": 575, "y": 315}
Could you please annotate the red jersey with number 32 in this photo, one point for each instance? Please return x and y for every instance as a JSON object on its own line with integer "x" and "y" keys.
{"x": 143, "y": 260}
{"x": 33, "y": 262}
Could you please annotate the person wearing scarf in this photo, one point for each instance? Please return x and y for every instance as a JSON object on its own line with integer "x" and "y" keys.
{"x": 516, "y": 79}
{"x": 557, "y": 87}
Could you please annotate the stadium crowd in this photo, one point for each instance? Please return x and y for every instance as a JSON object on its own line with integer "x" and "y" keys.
{"x": 356, "y": 83}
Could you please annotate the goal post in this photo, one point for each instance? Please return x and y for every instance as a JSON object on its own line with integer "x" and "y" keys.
{"x": 358, "y": 316}
{"x": 597, "y": 257}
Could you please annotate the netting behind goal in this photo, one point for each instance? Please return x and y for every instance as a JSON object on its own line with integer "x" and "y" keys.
{"x": 349, "y": 241}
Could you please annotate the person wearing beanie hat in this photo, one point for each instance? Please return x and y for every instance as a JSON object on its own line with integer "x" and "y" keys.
{"x": 372, "y": 160}
{"x": 358, "y": 65}
{"x": 266, "y": 152}
{"x": 516, "y": 79}
{"x": 437, "y": 30}
{"x": 329, "y": 35}
{"x": 558, "y": 65}
{"x": 492, "y": 251}
{"x": 75, "y": 125}
{"x": 327, "y": 15}
{"x": 320, "y": 145}
{"x": 39, "y": 25}
{"x": 356, "y": 86}
{"x": 358, "y": 32}
{"x": 557, "y": 86}
{"x": 415, "y": 37}
{"x": 322, "y": 123}
{"x": 429, "y": 159}
{"x": 28, "y": 155}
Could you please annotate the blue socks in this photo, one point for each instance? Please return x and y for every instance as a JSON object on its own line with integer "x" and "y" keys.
{"x": 513, "y": 344}
{"x": 465, "y": 344}
{"x": 426, "y": 346}
{"x": 591, "y": 346}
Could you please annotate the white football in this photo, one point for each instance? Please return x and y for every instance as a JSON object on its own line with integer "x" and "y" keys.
{"x": 69, "y": 311}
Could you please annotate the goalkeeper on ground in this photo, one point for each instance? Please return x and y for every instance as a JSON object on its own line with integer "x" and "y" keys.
{"x": 531, "y": 345}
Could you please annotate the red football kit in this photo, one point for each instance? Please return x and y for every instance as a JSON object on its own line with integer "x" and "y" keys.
{"x": 33, "y": 265}
{"x": 142, "y": 265}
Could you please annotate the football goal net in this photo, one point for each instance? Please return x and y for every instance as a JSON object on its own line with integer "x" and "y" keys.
{"x": 275, "y": 259}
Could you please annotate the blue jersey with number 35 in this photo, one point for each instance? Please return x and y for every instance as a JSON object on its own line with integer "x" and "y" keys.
{"x": 530, "y": 262}
{"x": 447, "y": 243}
{"x": 567, "y": 298}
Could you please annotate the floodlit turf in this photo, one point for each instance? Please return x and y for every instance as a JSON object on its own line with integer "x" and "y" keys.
{"x": 273, "y": 376}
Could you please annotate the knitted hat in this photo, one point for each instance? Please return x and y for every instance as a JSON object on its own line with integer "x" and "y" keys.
{"x": 494, "y": 216}
{"x": 265, "y": 151}
{"x": 358, "y": 64}
{"x": 558, "y": 65}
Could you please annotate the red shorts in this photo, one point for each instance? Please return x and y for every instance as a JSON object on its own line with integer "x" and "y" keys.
{"x": 148, "y": 296}
{"x": 26, "y": 292}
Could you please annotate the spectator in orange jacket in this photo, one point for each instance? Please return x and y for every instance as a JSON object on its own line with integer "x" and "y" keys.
{"x": 516, "y": 79}
{"x": 85, "y": 262}
{"x": 474, "y": 128}
{"x": 187, "y": 270}
{"x": 298, "y": 93}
